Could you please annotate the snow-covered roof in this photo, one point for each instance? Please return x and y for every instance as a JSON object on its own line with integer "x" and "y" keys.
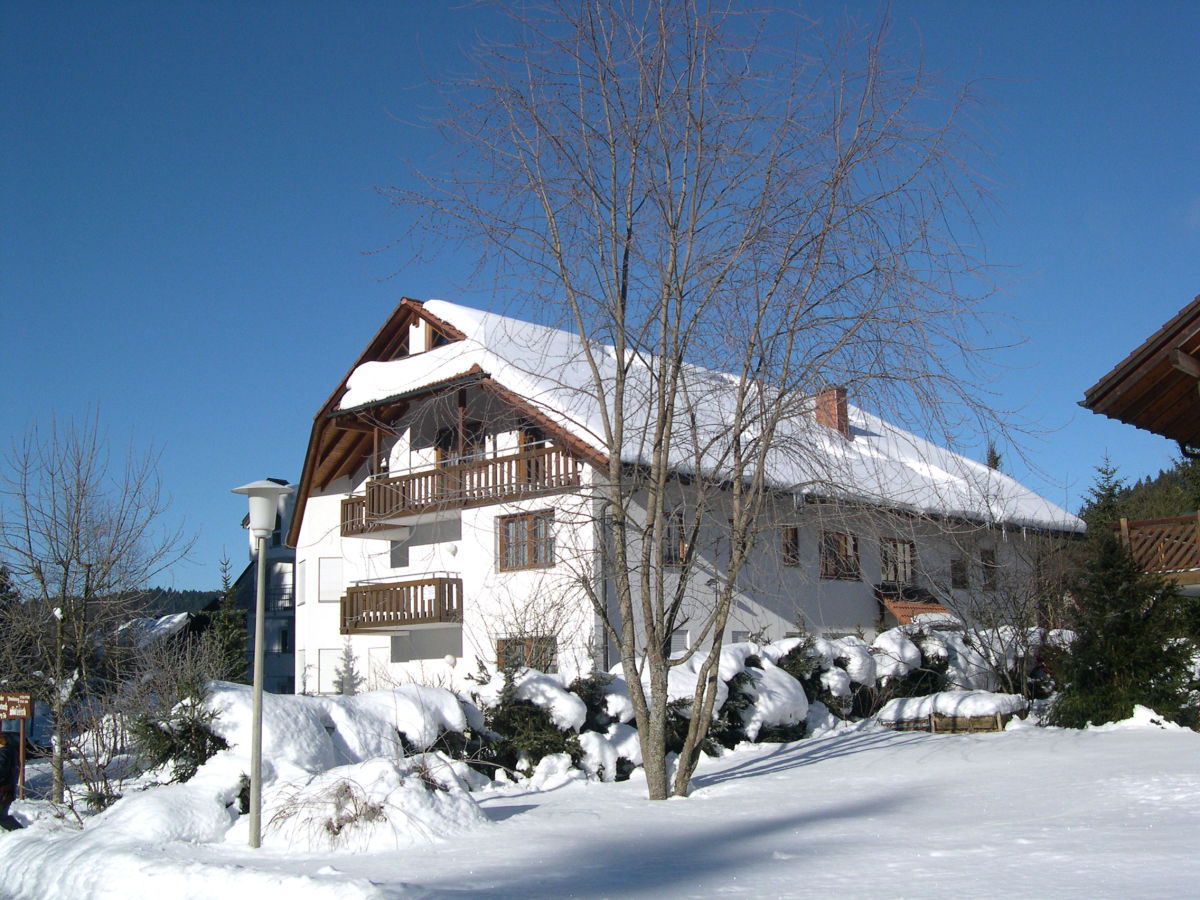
{"x": 881, "y": 463}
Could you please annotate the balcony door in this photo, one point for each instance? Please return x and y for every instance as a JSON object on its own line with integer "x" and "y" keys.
{"x": 533, "y": 462}
{"x": 456, "y": 449}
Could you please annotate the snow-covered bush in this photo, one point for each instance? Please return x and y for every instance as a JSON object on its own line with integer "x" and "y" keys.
{"x": 529, "y": 716}
{"x": 182, "y": 739}
{"x": 911, "y": 661}
{"x": 814, "y": 663}
{"x": 381, "y": 804}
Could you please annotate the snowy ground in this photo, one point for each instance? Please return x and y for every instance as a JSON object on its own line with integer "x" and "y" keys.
{"x": 1030, "y": 812}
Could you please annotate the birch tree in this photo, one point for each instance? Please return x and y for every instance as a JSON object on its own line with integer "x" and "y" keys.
{"x": 82, "y": 538}
{"x": 733, "y": 211}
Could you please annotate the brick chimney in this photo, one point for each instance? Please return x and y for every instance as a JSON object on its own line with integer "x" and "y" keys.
{"x": 832, "y": 411}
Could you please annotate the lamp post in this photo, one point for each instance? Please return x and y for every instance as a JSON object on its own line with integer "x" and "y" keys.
{"x": 263, "y": 498}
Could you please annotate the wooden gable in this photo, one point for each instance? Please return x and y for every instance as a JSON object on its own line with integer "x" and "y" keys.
{"x": 338, "y": 446}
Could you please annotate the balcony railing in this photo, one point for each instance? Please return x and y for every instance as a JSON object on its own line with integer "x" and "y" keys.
{"x": 280, "y": 599}
{"x": 1168, "y": 547}
{"x": 471, "y": 483}
{"x": 398, "y": 604}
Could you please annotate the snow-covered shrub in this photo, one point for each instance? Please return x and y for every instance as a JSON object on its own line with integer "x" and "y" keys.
{"x": 376, "y": 805}
{"x": 727, "y": 727}
{"x": 532, "y": 717}
{"x": 813, "y": 662}
{"x": 408, "y": 719}
{"x": 929, "y": 675}
{"x": 780, "y": 708}
{"x": 613, "y": 754}
{"x": 594, "y": 691}
{"x": 182, "y": 738}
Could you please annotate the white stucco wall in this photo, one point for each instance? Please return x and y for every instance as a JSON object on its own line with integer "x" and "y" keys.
{"x": 773, "y": 598}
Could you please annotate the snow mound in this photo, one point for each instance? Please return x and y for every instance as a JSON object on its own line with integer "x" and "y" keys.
{"x": 173, "y": 812}
{"x": 370, "y": 725}
{"x": 375, "y": 806}
{"x": 294, "y": 738}
{"x": 553, "y": 772}
{"x": 1143, "y": 717}
{"x": 967, "y": 704}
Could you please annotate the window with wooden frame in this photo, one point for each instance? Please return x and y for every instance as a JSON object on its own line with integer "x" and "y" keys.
{"x": 434, "y": 338}
{"x": 789, "y": 544}
{"x": 989, "y": 569}
{"x": 897, "y": 560}
{"x": 839, "y": 556}
{"x": 960, "y": 573}
{"x": 535, "y": 651}
{"x": 525, "y": 541}
{"x": 674, "y": 540}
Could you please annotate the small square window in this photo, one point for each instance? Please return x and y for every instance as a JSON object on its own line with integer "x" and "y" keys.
{"x": 739, "y": 637}
{"x": 839, "y": 556}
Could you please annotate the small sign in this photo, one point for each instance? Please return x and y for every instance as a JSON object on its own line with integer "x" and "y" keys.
{"x": 15, "y": 706}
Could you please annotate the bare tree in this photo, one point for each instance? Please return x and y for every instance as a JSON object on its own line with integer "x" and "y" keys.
{"x": 733, "y": 212}
{"x": 81, "y": 538}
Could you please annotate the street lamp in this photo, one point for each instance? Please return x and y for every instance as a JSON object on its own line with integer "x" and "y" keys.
{"x": 263, "y": 498}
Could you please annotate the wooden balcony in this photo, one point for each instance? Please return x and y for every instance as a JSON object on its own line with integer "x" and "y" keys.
{"x": 475, "y": 482}
{"x": 1169, "y": 547}
{"x": 401, "y": 604}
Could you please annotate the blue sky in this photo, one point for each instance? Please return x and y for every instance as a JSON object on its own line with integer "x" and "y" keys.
{"x": 193, "y": 245}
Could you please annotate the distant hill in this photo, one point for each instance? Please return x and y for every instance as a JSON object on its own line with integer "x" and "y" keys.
{"x": 1172, "y": 492}
{"x": 167, "y": 601}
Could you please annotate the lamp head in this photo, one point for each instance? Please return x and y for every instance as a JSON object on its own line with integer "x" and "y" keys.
{"x": 263, "y": 499}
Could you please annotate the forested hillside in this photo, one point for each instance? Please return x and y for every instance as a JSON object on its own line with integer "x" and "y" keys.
{"x": 1172, "y": 492}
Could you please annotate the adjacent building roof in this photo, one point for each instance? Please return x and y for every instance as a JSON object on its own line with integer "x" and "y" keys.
{"x": 1155, "y": 386}
{"x": 881, "y": 463}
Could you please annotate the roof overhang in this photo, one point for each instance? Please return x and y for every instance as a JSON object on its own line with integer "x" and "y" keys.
{"x": 1155, "y": 387}
{"x": 334, "y": 450}
{"x": 342, "y": 438}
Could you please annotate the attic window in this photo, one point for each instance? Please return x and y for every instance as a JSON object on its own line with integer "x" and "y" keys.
{"x": 434, "y": 338}
{"x": 402, "y": 344}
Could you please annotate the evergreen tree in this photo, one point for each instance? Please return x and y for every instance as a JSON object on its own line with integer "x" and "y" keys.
{"x": 226, "y": 631}
{"x": 346, "y": 680}
{"x": 1130, "y": 646}
{"x": 1102, "y": 510}
{"x": 993, "y": 457}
